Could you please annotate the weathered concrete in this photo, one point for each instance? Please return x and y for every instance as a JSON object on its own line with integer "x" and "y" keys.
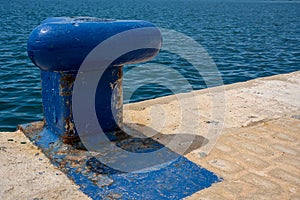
{"x": 255, "y": 149}
{"x": 25, "y": 172}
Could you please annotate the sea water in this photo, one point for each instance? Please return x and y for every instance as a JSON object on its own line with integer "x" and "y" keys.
{"x": 246, "y": 39}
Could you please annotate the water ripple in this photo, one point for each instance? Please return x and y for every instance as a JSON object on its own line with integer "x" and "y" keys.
{"x": 246, "y": 39}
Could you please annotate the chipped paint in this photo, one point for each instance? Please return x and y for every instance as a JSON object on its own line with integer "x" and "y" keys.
{"x": 117, "y": 98}
{"x": 57, "y": 103}
{"x": 177, "y": 180}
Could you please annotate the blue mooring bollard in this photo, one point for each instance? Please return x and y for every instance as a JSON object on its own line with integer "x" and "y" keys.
{"x": 58, "y": 47}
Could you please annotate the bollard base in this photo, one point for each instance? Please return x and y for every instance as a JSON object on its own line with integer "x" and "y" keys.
{"x": 57, "y": 91}
{"x": 177, "y": 180}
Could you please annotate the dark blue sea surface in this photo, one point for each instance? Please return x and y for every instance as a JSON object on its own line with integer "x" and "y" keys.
{"x": 246, "y": 39}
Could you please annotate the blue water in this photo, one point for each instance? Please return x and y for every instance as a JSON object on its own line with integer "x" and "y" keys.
{"x": 246, "y": 39}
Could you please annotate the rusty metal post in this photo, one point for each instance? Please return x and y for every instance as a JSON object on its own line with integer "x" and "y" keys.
{"x": 58, "y": 47}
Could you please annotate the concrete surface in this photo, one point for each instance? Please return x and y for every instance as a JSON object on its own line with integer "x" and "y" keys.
{"x": 25, "y": 172}
{"x": 251, "y": 132}
{"x": 258, "y": 150}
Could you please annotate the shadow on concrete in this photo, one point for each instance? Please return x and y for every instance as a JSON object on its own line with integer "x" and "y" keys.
{"x": 182, "y": 143}
{"x": 138, "y": 141}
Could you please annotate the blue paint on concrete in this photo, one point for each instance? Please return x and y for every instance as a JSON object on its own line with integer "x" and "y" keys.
{"x": 175, "y": 180}
{"x": 180, "y": 179}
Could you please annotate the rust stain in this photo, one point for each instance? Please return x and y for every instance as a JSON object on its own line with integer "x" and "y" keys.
{"x": 66, "y": 84}
{"x": 118, "y": 97}
{"x": 32, "y": 127}
{"x": 70, "y": 136}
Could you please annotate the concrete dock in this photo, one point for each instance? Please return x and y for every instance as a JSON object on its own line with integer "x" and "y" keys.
{"x": 247, "y": 133}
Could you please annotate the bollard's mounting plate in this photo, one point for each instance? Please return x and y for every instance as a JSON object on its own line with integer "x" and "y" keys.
{"x": 179, "y": 179}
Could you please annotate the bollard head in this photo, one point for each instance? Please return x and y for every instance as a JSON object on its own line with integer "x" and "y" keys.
{"x": 62, "y": 43}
